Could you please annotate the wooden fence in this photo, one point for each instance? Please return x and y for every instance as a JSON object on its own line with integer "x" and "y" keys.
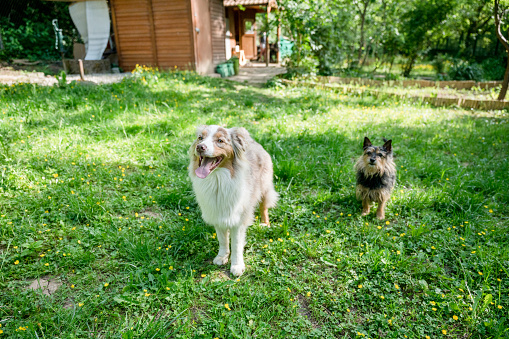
{"x": 435, "y": 101}
{"x": 411, "y": 83}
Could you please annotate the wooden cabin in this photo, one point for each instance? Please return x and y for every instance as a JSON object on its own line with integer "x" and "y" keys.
{"x": 189, "y": 34}
{"x": 184, "y": 34}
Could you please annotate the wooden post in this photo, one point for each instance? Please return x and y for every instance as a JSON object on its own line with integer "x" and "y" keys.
{"x": 82, "y": 70}
{"x": 267, "y": 47}
{"x": 278, "y": 55}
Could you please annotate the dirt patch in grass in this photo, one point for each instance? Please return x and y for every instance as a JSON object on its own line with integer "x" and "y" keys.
{"x": 48, "y": 285}
{"x": 304, "y": 311}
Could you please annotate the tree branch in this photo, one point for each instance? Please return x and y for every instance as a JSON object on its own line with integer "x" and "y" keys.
{"x": 500, "y": 36}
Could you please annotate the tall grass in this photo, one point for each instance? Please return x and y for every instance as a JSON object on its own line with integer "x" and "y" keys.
{"x": 94, "y": 193}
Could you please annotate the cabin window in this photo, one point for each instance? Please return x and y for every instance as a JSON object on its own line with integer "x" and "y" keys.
{"x": 249, "y": 26}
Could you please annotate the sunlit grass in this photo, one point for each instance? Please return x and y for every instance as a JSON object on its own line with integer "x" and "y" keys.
{"x": 94, "y": 192}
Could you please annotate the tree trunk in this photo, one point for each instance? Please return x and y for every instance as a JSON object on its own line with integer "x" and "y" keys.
{"x": 503, "y": 41}
{"x": 363, "y": 21}
{"x": 505, "y": 83}
{"x": 409, "y": 66}
{"x": 392, "y": 62}
{"x": 361, "y": 43}
{"x": 366, "y": 52}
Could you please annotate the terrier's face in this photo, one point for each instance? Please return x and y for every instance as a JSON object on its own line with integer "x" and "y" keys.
{"x": 375, "y": 158}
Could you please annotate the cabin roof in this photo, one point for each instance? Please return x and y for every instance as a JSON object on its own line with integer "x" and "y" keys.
{"x": 234, "y": 3}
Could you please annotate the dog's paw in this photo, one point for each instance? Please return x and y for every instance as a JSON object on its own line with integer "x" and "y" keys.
{"x": 380, "y": 216}
{"x": 265, "y": 224}
{"x": 220, "y": 260}
{"x": 364, "y": 213}
{"x": 237, "y": 270}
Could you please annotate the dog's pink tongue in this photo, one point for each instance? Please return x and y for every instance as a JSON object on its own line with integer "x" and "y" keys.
{"x": 204, "y": 170}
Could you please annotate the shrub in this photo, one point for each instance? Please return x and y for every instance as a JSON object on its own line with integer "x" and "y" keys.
{"x": 493, "y": 69}
{"x": 463, "y": 70}
{"x": 28, "y": 32}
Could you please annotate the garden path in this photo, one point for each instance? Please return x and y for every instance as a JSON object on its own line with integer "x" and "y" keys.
{"x": 257, "y": 74}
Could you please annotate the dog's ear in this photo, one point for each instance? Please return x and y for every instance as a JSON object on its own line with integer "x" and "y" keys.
{"x": 240, "y": 138}
{"x": 388, "y": 146}
{"x": 199, "y": 129}
{"x": 367, "y": 143}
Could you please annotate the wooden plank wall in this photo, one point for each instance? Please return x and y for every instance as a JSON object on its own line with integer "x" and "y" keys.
{"x": 218, "y": 31}
{"x": 133, "y": 33}
{"x": 173, "y": 27}
{"x": 153, "y": 33}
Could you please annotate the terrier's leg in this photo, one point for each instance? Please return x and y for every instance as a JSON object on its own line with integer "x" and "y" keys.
{"x": 238, "y": 242}
{"x": 365, "y": 206}
{"x": 223, "y": 236}
{"x": 380, "y": 212}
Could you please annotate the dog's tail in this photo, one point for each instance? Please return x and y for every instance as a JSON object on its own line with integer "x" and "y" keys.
{"x": 270, "y": 197}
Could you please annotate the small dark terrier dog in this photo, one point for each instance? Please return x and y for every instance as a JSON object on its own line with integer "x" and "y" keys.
{"x": 376, "y": 176}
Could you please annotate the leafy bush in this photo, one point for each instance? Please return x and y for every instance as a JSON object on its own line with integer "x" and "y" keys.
{"x": 493, "y": 69}
{"x": 306, "y": 66}
{"x": 391, "y": 76}
{"x": 466, "y": 71}
{"x": 29, "y": 33}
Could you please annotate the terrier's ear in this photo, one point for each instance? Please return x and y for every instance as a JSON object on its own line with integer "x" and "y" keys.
{"x": 367, "y": 143}
{"x": 388, "y": 146}
{"x": 240, "y": 138}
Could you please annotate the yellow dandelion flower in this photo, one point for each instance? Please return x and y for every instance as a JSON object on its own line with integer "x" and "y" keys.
{"x": 499, "y": 307}
{"x": 360, "y": 286}
{"x": 397, "y": 287}
{"x": 444, "y": 331}
{"x": 387, "y": 222}
{"x": 16, "y": 262}
{"x": 203, "y": 275}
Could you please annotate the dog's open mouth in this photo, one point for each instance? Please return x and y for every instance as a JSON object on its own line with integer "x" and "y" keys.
{"x": 207, "y": 165}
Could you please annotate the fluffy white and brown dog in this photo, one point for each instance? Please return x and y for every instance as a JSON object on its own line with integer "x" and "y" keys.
{"x": 231, "y": 175}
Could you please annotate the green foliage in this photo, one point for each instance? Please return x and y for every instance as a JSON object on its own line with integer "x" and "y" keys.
{"x": 493, "y": 69}
{"x": 320, "y": 44}
{"x": 463, "y": 70}
{"x": 439, "y": 63}
{"x": 31, "y": 36}
{"x": 94, "y": 193}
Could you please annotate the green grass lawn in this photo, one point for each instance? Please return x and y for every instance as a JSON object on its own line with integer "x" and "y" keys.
{"x": 94, "y": 193}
